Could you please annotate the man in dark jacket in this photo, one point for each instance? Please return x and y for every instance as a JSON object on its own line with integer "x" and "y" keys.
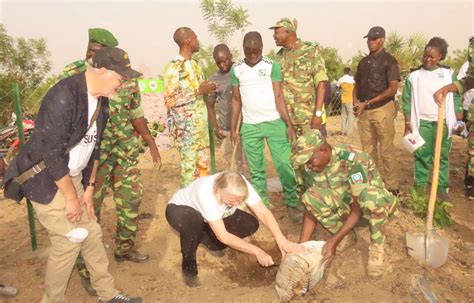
{"x": 67, "y": 137}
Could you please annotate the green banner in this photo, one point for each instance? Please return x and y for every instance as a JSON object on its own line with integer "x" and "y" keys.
{"x": 148, "y": 86}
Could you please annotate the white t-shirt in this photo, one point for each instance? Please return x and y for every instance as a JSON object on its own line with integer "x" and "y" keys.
{"x": 79, "y": 156}
{"x": 345, "y": 79}
{"x": 199, "y": 196}
{"x": 468, "y": 96}
{"x": 256, "y": 89}
{"x": 429, "y": 81}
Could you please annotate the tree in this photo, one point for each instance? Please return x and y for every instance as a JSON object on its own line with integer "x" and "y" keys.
{"x": 206, "y": 61}
{"x": 223, "y": 18}
{"x": 408, "y": 51}
{"x": 26, "y": 61}
{"x": 354, "y": 62}
{"x": 457, "y": 60}
{"x": 333, "y": 62}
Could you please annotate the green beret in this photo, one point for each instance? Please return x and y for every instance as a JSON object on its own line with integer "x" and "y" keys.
{"x": 102, "y": 36}
{"x": 289, "y": 24}
{"x": 305, "y": 146}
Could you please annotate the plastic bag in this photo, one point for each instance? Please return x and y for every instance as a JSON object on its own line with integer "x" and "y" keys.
{"x": 300, "y": 272}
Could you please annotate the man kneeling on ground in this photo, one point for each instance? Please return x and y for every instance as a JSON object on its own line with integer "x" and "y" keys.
{"x": 343, "y": 183}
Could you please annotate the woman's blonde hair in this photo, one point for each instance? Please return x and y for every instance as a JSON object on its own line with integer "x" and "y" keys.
{"x": 231, "y": 182}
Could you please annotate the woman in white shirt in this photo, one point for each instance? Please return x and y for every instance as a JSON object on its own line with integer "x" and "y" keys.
{"x": 207, "y": 212}
{"x": 421, "y": 114}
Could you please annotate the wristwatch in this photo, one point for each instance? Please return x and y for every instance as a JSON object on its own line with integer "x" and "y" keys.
{"x": 318, "y": 113}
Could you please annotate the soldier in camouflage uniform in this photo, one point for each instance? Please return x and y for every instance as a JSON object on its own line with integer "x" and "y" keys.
{"x": 184, "y": 87}
{"x": 343, "y": 184}
{"x": 118, "y": 163}
{"x": 460, "y": 86}
{"x": 304, "y": 77}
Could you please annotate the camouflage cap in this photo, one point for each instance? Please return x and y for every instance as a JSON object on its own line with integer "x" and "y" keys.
{"x": 305, "y": 146}
{"x": 290, "y": 24}
{"x": 102, "y": 36}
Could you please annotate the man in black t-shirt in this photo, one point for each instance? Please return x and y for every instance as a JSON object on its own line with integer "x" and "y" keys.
{"x": 376, "y": 83}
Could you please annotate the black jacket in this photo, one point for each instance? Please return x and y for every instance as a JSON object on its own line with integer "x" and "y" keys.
{"x": 62, "y": 122}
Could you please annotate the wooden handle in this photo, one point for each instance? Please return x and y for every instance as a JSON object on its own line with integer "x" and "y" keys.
{"x": 234, "y": 150}
{"x": 434, "y": 181}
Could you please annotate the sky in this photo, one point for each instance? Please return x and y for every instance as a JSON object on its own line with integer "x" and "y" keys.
{"x": 145, "y": 28}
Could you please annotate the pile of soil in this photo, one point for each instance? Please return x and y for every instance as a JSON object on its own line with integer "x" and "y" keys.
{"x": 236, "y": 277}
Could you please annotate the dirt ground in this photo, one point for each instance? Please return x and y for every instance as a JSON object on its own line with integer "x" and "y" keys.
{"x": 236, "y": 277}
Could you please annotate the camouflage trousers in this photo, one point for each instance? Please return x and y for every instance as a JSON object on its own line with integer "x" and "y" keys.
{"x": 122, "y": 175}
{"x": 119, "y": 171}
{"x": 330, "y": 208}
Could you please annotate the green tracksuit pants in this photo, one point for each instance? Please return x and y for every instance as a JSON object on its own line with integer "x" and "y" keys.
{"x": 274, "y": 133}
{"x": 424, "y": 155}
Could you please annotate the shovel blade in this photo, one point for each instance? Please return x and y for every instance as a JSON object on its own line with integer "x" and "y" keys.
{"x": 434, "y": 252}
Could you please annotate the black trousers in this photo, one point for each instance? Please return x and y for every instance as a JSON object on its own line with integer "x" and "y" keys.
{"x": 193, "y": 230}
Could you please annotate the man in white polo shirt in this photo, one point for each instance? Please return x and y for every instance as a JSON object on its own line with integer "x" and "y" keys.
{"x": 256, "y": 89}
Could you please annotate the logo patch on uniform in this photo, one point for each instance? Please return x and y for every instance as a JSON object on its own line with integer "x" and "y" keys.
{"x": 262, "y": 72}
{"x": 347, "y": 155}
{"x": 357, "y": 178}
{"x": 351, "y": 156}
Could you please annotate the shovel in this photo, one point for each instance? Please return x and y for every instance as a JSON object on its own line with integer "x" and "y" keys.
{"x": 234, "y": 150}
{"x": 430, "y": 247}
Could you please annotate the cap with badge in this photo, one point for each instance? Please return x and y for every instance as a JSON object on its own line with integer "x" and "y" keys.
{"x": 290, "y": 24}
{"x": 115, "y": 59}
{"x": 102, "y": 36}
{"x": 305, "y": 146}
{"x": 375, "y": 33}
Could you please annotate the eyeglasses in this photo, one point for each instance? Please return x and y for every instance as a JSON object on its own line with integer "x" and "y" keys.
{"x": 120, "y": 79}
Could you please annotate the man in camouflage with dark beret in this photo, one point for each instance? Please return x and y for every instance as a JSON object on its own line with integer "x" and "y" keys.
{"x": 343, "y": 184}
{"x": 304, "y": 80}
{"x": 119, "y": 152}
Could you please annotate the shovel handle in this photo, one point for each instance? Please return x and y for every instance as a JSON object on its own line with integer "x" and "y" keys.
{"x": 434, "y": 181}
{"x": 234, "y": 150}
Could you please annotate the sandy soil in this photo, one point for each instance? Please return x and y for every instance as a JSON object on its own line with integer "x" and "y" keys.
{"x": 236, "y": 277}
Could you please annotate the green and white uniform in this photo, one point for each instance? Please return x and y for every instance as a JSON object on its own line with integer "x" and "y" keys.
{"x": 419, "y": 105}
{"x": 262, "y": 123}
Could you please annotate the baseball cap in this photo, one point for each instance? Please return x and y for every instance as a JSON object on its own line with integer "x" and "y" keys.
{"x": 290, "y": 24}
{"x": 305, "y": 145}
{"x": 375, "y": 32}
{"x": 116, "y": 59}
{"x": 102, "y": 36}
